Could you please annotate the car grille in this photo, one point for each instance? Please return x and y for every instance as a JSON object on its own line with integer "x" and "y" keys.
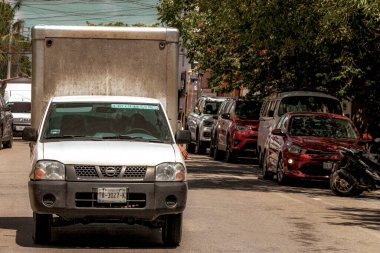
{"x": 319, "y": 152}
{"x": 89, "y": 200}
{"x": 314, "y": 170}
{"x": 110, "y": 172}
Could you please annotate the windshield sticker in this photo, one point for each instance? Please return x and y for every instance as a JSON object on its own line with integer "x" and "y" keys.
{"x": 55, "y": 131}
{"x": 74, "y": 109}
{"x": 135, "y": 106}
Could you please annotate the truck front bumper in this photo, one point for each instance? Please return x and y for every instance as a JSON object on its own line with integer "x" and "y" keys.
{"x": 78, "y": 200}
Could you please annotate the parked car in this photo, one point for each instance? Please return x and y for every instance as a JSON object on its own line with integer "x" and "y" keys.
{"x": 6, "y": 122}
{"x": 20, "y": 108}
{"x": 200, "y": 121}
{"x": 305, "y": 145}
{"x": 236, "y": 129}
{"x": 277, "y": 104}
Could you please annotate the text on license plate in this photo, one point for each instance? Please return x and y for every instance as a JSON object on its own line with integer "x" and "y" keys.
{"x": 328, "y": 165}
{"x": 112, "y": 195}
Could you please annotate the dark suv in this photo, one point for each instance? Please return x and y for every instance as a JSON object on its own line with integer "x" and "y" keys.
{"x": 236, "y": 129}
{"x": 6, "y": 122}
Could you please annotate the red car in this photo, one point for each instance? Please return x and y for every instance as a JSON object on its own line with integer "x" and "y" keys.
{"x": 235, "y": 133}
{"x": 305, "y": 145}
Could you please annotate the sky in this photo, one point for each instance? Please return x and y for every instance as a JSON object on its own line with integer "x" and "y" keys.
{"x": 77, "y": 12}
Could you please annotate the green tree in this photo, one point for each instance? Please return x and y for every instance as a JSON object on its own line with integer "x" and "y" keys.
{"x": 276, "y": 45}
{"x": 11, "y": 29}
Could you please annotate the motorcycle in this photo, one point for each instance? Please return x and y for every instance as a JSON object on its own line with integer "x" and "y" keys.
{"x": 357, "y": 171}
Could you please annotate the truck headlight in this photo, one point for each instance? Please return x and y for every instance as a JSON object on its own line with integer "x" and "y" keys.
{"x": 170, "y": 172}
{"x": 49, "y": 170}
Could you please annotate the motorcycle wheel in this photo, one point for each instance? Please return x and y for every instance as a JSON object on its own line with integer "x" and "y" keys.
{"x": 343, "y": 187}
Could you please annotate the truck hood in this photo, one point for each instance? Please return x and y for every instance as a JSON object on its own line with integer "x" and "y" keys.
{"x": 109, "y": 152}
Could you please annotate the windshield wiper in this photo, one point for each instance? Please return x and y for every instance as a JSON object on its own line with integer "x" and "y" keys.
{"x": 65, "y": 137}
{"x": 135, "y": 138}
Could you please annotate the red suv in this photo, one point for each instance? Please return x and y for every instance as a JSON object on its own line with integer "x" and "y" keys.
{"x": 236, "y": 129}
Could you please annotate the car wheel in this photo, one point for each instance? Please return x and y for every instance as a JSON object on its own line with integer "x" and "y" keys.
{"x": 212, "y": 149}
{"x": 200, "y": 148}
{"x": 172, "y": 230}
{"x": 281, "y": 178}
{"x": 42, "y": 228}
{"x": 217, "y": 153}
{"x": 230, "y": 156}
{"x": 9, "y": 143}
{"x": 341, "y": 186}
{"x": 266, "y": 174}
{"x": 260, "y": 158}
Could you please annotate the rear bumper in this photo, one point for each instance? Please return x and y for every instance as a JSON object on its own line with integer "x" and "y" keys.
{"x": 78, "y": 200}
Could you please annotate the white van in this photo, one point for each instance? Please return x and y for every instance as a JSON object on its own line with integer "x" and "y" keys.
{"x": 275, "y": 105}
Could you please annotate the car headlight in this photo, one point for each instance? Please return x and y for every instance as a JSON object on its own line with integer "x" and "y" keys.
{"x": 242, "y": 128}
{"x": 295, "y": 149}
{"x": 48, "y": 170}
{"x": 170, "y": 172}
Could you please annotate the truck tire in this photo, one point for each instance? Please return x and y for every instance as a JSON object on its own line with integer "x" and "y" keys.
{"x": 1, "y": 137}
{"x": 42, "y": 228}
{"x": 190, "y": 148}
{"x": 9, "y": 143}
{"x": 172, "y": 230}
{"x": 230, "y": 155}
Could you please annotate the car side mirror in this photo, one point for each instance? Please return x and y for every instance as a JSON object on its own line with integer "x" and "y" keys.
{"x": 277, "y": 131}
{"x": 183, "y": 137}
{"x": 29, "y": 134}
{"x": 225, "y": 115}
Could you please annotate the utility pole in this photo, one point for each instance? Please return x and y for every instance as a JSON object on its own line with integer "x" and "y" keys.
{"x": 10, "y": 51}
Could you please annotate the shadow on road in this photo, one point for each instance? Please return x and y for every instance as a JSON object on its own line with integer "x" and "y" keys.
{"x": 87, "y": 236}
{"x": 361, "y": 217}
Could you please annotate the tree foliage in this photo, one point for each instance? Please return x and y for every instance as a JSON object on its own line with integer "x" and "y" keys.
{"x": 11, "y": 28}
{"x": 276, "y": 45}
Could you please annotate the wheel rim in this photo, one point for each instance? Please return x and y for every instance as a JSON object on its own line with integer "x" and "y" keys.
{"x": 342, "y": 185}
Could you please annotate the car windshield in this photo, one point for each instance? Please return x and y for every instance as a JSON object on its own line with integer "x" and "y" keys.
{"x": 320, "y": 126}
{"x": 141, "y": 122}
{"x": 248, "y": 109}
{"x": 20, "y": 107}
{"x": 211, "y": 107}
{"x": 309, "y": 104}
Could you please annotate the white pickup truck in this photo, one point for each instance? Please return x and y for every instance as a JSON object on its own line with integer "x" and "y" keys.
{"x": 102, "y": 135}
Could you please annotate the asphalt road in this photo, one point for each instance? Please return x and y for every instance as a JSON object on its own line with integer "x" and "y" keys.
{"x": 230, "y": 209}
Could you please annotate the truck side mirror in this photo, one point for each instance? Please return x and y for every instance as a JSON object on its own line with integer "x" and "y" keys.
{"x": 29, "y": 134}
{"x": 183, "y": 137}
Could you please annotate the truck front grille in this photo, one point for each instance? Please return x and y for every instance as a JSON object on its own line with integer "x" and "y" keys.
{"x": 109, "y": 172}
{"x": 89, "y": 200}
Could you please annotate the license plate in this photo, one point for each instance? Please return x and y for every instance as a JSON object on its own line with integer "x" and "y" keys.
{"x": 20, "y": 128}
{"x": 112, "y": 195}
{"x": 328, "y": 165}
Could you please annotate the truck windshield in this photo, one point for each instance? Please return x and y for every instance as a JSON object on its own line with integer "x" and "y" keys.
{"x": 19, "y": 107}
{"x": 211, "y": 107}
{"x": 141, "y": 122}
{"x": 309, "y": 104}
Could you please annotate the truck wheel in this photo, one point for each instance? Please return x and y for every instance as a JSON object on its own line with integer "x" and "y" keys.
{"x": 42, "y": 228}
{"x": 281, "y": 178}
{"x": 9, "y": 144}
{"x": 172, "y": 230}
{"x": 190, "y": 148}
{"x": 1, "y": 137}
